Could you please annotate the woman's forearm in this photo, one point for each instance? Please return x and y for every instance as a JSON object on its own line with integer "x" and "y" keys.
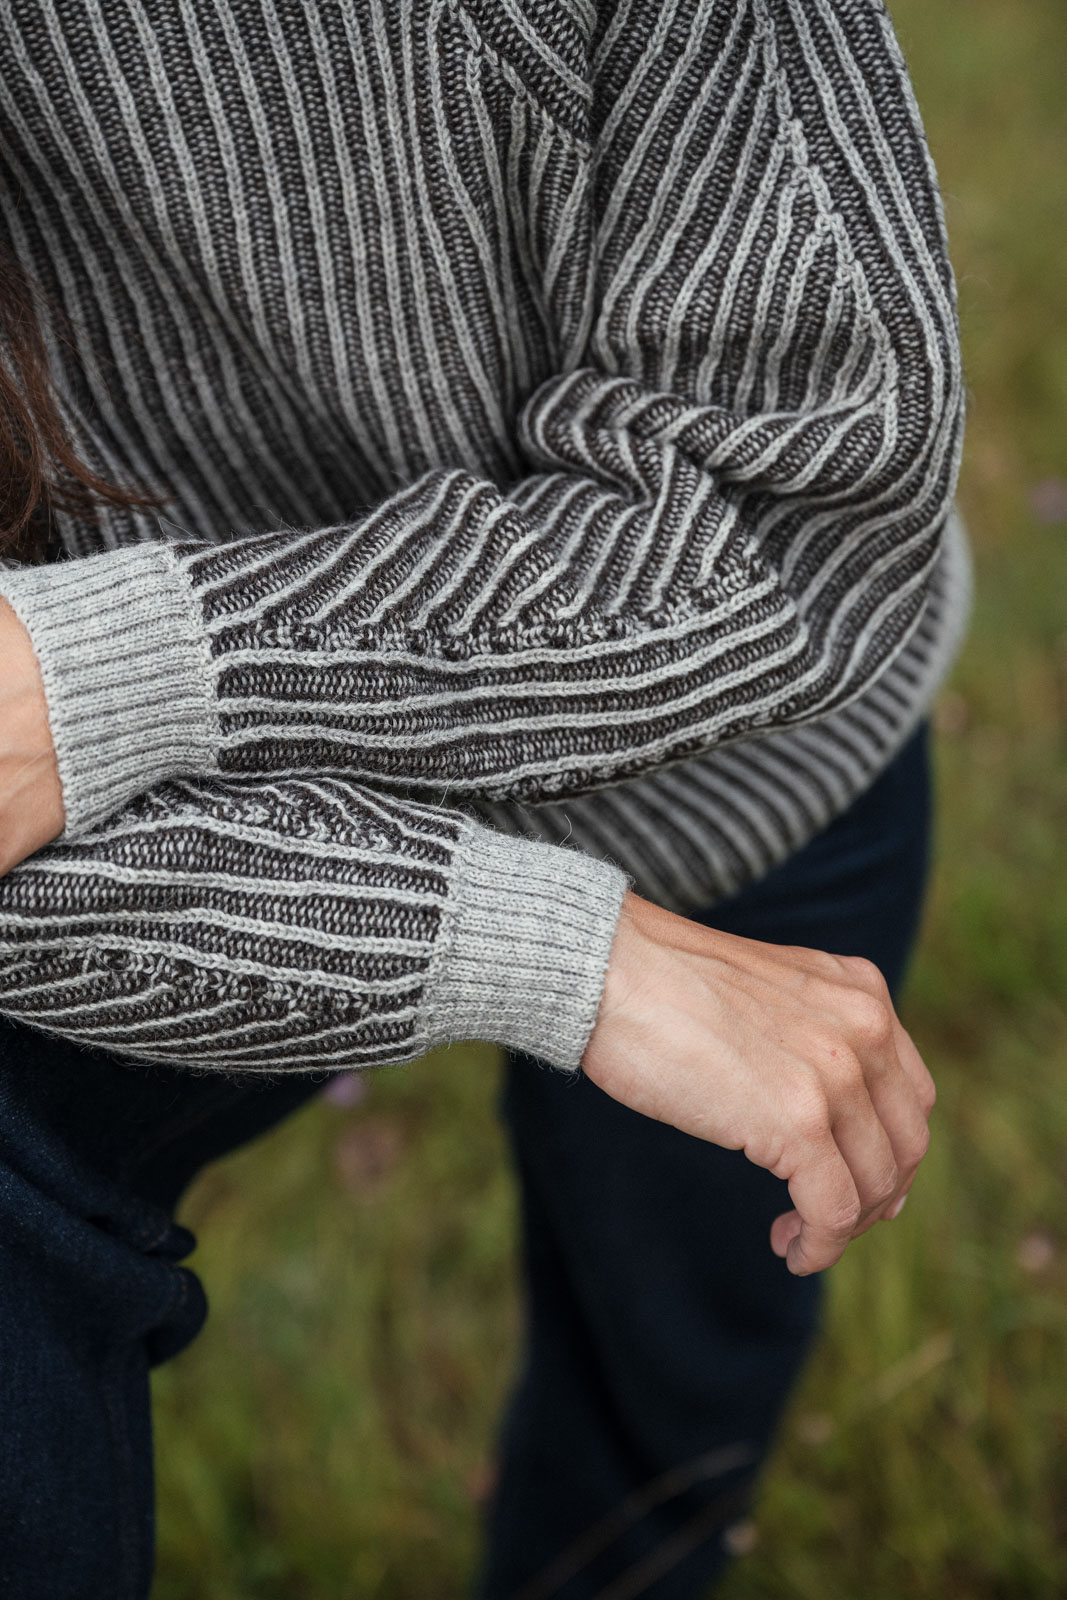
{"x": 313, "y": 925}
{"x": 310, "y": 925}
{"x": 304, "y": 925}
{"x": 293, "y": 925}
{"x": 31, "y": 797}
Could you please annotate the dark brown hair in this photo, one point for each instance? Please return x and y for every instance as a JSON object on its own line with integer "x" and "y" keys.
{"x": 40, "y": 472}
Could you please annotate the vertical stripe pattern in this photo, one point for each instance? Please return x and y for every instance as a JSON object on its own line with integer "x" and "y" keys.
{"x": 559, "y": 408}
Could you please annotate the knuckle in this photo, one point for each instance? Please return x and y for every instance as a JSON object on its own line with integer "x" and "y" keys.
{"x": 811, "y": 1259}
{"x": 864, "y": 974}
{"x": 809, "y": 1112}
{"x": 837, "y": 1069}
{"x": 886, "y": 1186}
{"x": 870, "y": 1019}
{"x": 823, "y": 964}
{"x": 847, "y": 1071}
{"x": 844, "y": 1218}
{"x": 816, "y": 972}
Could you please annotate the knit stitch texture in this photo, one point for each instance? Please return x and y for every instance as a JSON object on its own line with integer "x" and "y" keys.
{"x": 559, "y": 408}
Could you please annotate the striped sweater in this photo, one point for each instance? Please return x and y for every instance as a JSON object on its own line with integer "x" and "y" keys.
{"x": 558, "y": 405}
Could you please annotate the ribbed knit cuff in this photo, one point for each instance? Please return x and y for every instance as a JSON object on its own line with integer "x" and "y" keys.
{"x": 125, "y": 667}
{"x": 525, "y": 960}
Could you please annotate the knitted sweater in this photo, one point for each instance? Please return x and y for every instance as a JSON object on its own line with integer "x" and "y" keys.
{"x": 559, "y": 406}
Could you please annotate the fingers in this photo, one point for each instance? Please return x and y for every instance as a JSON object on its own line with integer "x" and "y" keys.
{"x": 904, "y": 1121}
{"x": 864, "y": 1134}
{"x": 828, "y": 1211}
{"x": 915, "y": 1067}
{"x": 841, "y": 1186}
{"x": 889, "y": 1167}
{"x": 783, "y": 1229}
{"x": 900, "y": 1087}
{"x": 879, "y": 1139}
{"x": 794, "y": 1056}
{"x": 877, "y": 1096}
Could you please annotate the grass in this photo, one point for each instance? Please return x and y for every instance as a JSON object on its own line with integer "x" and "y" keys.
{"x": 326, "y": 1438}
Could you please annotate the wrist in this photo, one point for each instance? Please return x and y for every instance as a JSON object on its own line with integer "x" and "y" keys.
{"x": 636, "y": 986}
{"x": 31, "y": 799}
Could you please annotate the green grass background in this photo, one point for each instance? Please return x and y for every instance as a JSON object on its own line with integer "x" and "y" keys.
{"x": 327, "y": 1438}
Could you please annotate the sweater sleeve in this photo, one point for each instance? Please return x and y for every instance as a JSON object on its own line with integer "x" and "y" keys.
{"x": 304, "y": 925}
{"x": 734, "y": 495}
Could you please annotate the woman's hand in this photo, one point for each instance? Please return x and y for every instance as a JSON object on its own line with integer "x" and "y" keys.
{"x": 793, "y": 1056}
{"x": 31, "y": 799}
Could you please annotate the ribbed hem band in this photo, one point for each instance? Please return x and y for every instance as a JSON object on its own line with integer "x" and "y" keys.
{"x": 525, "y": 959}
{"x": 126, "y": 674}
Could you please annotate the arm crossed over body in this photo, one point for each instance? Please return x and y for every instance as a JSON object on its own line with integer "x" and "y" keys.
{"x": 727, "y": 510}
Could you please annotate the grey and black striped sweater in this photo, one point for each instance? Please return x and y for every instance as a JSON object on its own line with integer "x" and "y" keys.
{"x": 559, "y": 405}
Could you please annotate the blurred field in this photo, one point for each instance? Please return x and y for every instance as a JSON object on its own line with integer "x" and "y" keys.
{"x": 327, "y": 1437}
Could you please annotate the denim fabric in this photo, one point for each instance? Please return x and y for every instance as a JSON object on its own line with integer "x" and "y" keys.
{"x": 663, "y": 1336}
{"x": 93, "y": 1156}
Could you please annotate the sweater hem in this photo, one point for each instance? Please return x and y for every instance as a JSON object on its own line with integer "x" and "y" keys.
{"x": 524, "y": 961}
{"x": 124, "y": 666}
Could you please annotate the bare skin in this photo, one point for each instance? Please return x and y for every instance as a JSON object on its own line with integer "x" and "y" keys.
{"x": 31, "y": 799}
{"x": 793, "y": 1056}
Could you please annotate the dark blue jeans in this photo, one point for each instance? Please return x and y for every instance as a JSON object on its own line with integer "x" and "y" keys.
{"x": 663, "y": 1335}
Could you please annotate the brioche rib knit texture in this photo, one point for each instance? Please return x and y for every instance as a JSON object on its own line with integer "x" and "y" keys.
{"x": 558, "y": 405}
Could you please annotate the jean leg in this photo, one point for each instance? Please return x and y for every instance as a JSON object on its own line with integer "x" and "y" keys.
{"x": 93, "y": 1154}
{"x": 663, "y": 1337}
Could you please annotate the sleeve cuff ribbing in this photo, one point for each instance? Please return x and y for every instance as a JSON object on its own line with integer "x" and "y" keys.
{"x": 126, "y": 674}
{"x": 525, "y": 960}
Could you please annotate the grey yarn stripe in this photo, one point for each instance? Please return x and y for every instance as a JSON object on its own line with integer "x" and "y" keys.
{"x": 558, "y": 408}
